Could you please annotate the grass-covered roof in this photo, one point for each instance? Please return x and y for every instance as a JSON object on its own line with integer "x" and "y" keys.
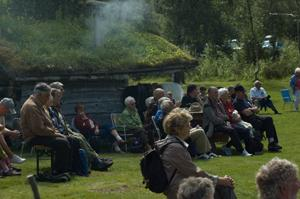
{"x": 31, "y": 48}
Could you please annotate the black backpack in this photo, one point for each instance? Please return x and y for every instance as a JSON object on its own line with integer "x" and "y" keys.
{"x": 152, "y": 167}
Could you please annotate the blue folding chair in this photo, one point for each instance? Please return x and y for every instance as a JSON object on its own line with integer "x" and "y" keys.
{"x": 286, "y": 97}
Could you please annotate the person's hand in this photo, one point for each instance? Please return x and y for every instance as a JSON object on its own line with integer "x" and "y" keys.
{"x": 60, "y": 135}
{"x": 14, "y": 134}
{"x": 226, "y": 181}
{"x": 97, "y": 131}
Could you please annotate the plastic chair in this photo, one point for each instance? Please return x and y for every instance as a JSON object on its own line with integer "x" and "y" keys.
{"x": 286, "y": 97}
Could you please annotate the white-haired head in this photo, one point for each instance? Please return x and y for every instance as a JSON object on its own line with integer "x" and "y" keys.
{"x": 149, "y": 101}
{"x": 222, "y": 92}
{"x": 129, "y": 100}
{"x": 297, "y": 71}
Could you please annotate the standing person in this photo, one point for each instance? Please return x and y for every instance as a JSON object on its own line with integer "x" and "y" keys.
{"x": 190, "y": 97}
{"x": 176, "y": 157}
{"x": 295, "y": 85}
{"x": 7, "y": 106}
{"x": 278, "y": 179}
{"x": 37, "y": 127}
{"x": 248, "y": 111}
{"x": 259, "y": 96}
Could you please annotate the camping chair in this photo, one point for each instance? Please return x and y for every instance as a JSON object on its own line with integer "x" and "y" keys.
{"x": 156, "y": 127}
{"x": 286, "y": 97}
{"x": 114, "y": 120}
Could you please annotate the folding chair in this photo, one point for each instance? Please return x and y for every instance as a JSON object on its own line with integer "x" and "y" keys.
{"x": 114, "y": 120}
{"x": 156, "y": 127}
{"x": 286, "y": 97}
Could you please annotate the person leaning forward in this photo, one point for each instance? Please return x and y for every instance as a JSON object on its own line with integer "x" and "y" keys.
{"x": 37, "y": 127}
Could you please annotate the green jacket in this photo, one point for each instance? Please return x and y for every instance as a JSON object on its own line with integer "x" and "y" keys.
{"x": 130, "y": 119}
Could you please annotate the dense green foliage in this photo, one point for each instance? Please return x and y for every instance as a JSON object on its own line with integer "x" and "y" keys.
{"x": 204, "y": 28}
{"x": 124, "y": 179}
{"x": 64, "y": 46}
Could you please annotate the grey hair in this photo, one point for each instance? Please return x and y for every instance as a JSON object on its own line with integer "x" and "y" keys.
{"x": 166, "y": 104}
{"x": 149, "y": 101}
{"x": 297, "y": 70}
{"x": 41, "y": 87}
{"x": 160, "y": 100}
{"x": 196, "y": 188}
{"x": 222, "y": 91}
{"x": 128, "y": 100}
{"x": 274, "y": 176}
{"x": 57, "y": 85}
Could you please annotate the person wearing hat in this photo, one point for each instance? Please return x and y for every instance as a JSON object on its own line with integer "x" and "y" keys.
{"x": 259, "y": 95}
{"x": 248, "y": 111}
{"x": 7, "y": 106}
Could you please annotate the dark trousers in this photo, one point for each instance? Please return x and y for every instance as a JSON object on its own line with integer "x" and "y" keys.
{"x": 141, "y": 133}
{"x": 234, "y": 137}
{"x": 261, "y": 124}
{"x": 267, "y": 102}
{"x": 62, "y": 150}
{"x": 244, "y": 134}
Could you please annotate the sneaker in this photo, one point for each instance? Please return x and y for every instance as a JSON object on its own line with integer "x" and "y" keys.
{"x": 117, "y": 148}
{"x": 213, "y": 155}
{"x": 227, "y": 151}
{"x": 273, "y": 147}
{"x": 17, "y": 159}
{"x": 203, "y": 157}
{"x": 100, "y": 165}
{"x": 245, "y": 153}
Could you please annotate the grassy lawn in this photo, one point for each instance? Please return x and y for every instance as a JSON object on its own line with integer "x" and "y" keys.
{"x": 124, "y": 180}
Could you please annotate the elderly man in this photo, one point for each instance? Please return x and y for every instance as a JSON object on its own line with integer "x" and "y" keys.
{"x": 259, "y": 96}
{"x": 216, "y": 120}
{"x": 7, "y": 106}
{"x": 295, "y": 85}
{"x": 37, "y": 126}
{"x": 131, "y": 119}
{"x": 248, "y": 111}
{"x": 278, "y": 179}
{"x": 190, "y": 97}
{"x": 60, "y": 123}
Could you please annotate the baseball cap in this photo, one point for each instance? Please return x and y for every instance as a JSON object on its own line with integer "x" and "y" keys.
{"x": 9, "y": 104}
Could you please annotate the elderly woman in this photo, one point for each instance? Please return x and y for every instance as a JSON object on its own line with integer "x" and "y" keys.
{"x": 196, "y": 188}
{"x": 244, "y": 129}
{"x": 176, "y": 157}
{"x": 131, "y": 119}
{"x": 278, "y": 180}
{"x": 295, "y": 85}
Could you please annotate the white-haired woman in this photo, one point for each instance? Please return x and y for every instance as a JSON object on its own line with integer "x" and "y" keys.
{"x": 278, "y": 179}
{"x": 243, "y": 132}
{"x": 176, "y": 157}
{"x": 131, "y": 119}
{"x": 295, "y": 85}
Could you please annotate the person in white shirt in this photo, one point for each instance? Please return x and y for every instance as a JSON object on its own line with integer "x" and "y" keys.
{"x": 259, "y": 96}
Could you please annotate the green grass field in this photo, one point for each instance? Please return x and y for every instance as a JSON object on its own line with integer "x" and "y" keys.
{"x": 124, "y": 180}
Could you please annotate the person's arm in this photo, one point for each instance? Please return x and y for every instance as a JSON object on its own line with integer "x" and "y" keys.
{"x": 211, "y": 115}
{"x": 182, "y": 161}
